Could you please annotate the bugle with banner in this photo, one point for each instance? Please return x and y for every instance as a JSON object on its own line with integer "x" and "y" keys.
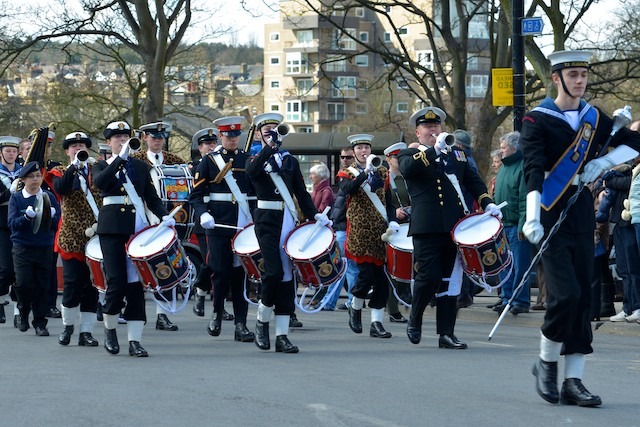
{"x": 252, "y": 131}
{"x": 38, "y": 152}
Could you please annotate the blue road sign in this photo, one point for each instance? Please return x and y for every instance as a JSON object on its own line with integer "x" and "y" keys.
{"x": 532, "y": 26}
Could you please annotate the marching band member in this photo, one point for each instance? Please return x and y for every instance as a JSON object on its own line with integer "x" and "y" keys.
{"x": 9, "y": 169}
{"x": 558, "y": 137}
{"x": 80, "y": 202}
{"x": 276, "y": 177}
{"x": 155, "y": 136}
{"x": 32, "y": 246}
{"x": 369, "y": 214}
{"x": 434, "y": 172}
{"x": 125, "y": 186}
{"x": 207, "y": 140}
{"x": 226, "y": 187}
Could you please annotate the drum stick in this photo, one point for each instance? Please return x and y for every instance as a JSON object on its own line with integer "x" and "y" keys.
{"x": 229, "y": 226}
{"x": 480, "y": 218}
{"x": 314, "y": 230}
{"x": 161, "y": 225}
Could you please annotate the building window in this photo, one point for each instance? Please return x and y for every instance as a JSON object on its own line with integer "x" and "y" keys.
{"x": 359, "y": 12}
{"x": 338, "y": 11}
{"x": 387, "y": 37}
{"x": 335, "y": 63}
{"x": 294, "y": 109}
{"x": 403, "y": 31}
{"x": 336, "y": 111}
{"x": 304, "y": 86}
{"x": 275, "y": 84}
{"x": 402, "y": 107}
{"x": 364, "y": 36}
{"x": 387, "y": 9}
{"x": 274, "y": 37}
{"x": 274, "y": 60}
{"x": 472, "y": 62}
{"x": 304, "y": 37}
{"x": 363, "y": 84}
{"x": 362, "y": 60}
{"x": 401, "y": 83}
{"x": 304, "y": 129}
{"x": 425, "y": 58}
{"x": 296, "y": 63}
{"x": 274, "y": 107}
{"x": 344, "y": 41}
{"x": 344, "y": 87}
{"x": 362, "y": 108}
{"x": 476, "y": 85}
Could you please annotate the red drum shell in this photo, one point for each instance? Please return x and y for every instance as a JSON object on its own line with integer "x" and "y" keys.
{"x": 400, "y": 255}
{"x": 94, "y": 260}
{"x": 245, "y": 245}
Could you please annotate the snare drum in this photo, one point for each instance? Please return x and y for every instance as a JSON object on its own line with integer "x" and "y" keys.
{"x": 245, "y": 246}
{"x": 400, "y": 255}
{"x": 319, "y": 263}
{"x": 162, "y": 262}
{"x": 174, "y": 184}
{"x": 94, "y": 260}
{"x": 483, "y": 247}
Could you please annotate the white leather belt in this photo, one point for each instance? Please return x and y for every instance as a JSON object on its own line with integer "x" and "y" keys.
{"x": 576, "y": 179}
{"x": 226, "y": 197}
{"x": 271, "y": 204}
{"x": 116, "y": 200}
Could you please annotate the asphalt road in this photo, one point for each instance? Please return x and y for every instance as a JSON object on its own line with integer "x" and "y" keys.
{"x": 338, "y": 378}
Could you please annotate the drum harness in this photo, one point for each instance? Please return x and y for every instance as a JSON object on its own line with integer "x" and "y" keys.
{"x": 232, "y": 184}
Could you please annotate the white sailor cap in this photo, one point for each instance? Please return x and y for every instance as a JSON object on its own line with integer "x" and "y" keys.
{"x": 267, "y": 119}
{"x": 360, "y": 138}
{"x": 569, "y": 59}
{"x": 157, "y": 129}
{"x": 10, "y": 141}
{"x": 229, "y": 126}
{"x": 75, "y": 137}
{"x": 116, "y": 128}
{"x": 428, "y": 115}
{"x": 394, "y": 148}
{"x": 205, "y": 135}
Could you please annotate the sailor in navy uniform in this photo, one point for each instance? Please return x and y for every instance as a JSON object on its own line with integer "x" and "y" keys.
{"x": 560, "y": 140}
{"x": 274, "y": 218}
{"x": 206, "y": 139}
{"x": 434, "y": 173}
{"x": 119, "y": 219}
{"x": 9, "y": 169}
{"x": 32, "y": 252}
{"x": 221, "y": 177}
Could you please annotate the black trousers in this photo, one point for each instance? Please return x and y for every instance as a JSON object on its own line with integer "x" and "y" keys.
{"x": 568, "y": 269}
{"x": 7, "y": 274}
{"x": 275, "y": 292}
{"x": 372, "y": 276}
{"x": 203, "y": 281}
{"x": 32, "y": 267}
{"x": 78, "y": 290}
{"x": 52, "y": 293}
{"x": 225, "y": 276}
{"x": 435, "y": 255}
{"x": 118, "y": 287}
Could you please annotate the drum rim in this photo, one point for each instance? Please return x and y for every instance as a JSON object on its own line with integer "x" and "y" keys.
{"x": 307, "y": 224}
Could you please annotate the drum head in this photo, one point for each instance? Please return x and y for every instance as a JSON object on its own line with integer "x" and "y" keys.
{"x": 245, "y": 241}
{"x": 478, "y": 233}
{"x": 401, "y": 240}
{"x": 318, "y": 244}
{"x": 93, "y": 249}
{"x": 161, "y": 241}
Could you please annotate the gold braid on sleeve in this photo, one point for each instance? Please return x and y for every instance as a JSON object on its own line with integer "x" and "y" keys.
{"x": 422, "y": 155}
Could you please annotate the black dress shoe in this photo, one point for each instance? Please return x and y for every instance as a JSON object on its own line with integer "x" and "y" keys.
{"x": 283, "y": 345}
{"x": 355, "y": 320}
{"x": 3, "y": 316}
{"x": 499, "y": 308}
{"x": 22, "y": 323}
{"x": 136, "y": 350}
{"x": 243, "y": 334}
{"x": 54, "y": 313}
{"x": 262, "y": 335}
{"x": 294, "y": 322}
{"x": 215, "y": 325}
{"x": 518, "y": 309}
{"x": 198, "y": 308}
{"x": 397, "y": 318}
{"x": 65, "y": 337}
{"x": 164, "y": 324}
{"x": 450, "y": 341}
{"x": 574, "y": 393}
{"x": 343, "y": 306}
{"x": 414, "y": 330}
{"x": 41, "y": 331}
{"x": 227, "y": 316}
{"x": 546, "y": 374}
{"x": 111, "y": 341}
{"x": 87, "y": 340}
{"x": 378, "y": 331}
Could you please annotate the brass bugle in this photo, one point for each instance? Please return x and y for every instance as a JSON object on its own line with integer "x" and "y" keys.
{"x": 283, "y": 130}
{"x": 449, "y": 138}
{"x": 82, "y": 155}
{"x": 134, "y": 143}
{"x": 374, "y": 161}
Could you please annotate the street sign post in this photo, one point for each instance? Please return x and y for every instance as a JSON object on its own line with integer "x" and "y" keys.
{"x": 532, "y": 26}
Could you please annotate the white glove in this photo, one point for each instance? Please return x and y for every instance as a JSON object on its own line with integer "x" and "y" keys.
{"x": 207, "y": 221}
{"x": 493, "y": 210}
{"x": 323, "y": 219}
{"x": 533, "y": 229}
{"x": 30, "y": 213}
{"x": 369, "y": 165}
{"x": 441, "y": 143}
{"x": 53, "y": 212}
{"x": 596, "y": 167}
{"x": 124, "y": 151}
{"x": 169, "y": 221}
{"x": 394, "y": 226}
{"x": 14, "y": 185}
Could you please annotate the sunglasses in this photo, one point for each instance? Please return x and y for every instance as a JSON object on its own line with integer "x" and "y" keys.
{"x": 346, "y": 157}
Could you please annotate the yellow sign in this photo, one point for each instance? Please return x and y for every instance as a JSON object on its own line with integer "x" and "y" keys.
{"x": 502, "y": 87}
